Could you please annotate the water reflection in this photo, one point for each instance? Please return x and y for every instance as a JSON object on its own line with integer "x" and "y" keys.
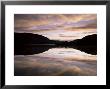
{"x": 35, "y": 49}
{"x": 55, "y": 61}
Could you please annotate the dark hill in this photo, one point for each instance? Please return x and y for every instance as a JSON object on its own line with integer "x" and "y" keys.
{"x": 27, "y": 43}
{"x": 28, "y": 38}
{"x": 87, "y": 44}
{"x": 86, "y": 41}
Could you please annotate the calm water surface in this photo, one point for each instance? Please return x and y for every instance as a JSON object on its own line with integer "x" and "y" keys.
{"x": 56, "y": 62}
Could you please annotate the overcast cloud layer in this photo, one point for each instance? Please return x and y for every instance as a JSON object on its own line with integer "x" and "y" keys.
{"x": 64, "y": 27}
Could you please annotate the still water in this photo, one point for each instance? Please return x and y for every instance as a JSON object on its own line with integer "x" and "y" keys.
{"x": 56, "y": 62}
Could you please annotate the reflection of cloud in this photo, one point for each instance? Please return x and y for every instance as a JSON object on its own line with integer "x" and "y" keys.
{"x": 76, "y": 71}
{"x": 69, "y": 71}
{"x": 67, "y": 54}
{"x": 27, "y": 67}
{"x": 55, "y": 68}
{"x": 56, "y": 61}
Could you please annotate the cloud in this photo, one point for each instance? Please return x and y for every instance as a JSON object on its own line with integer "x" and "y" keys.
{"x": 54, "y": 24}
{"x": 28, "y": 20}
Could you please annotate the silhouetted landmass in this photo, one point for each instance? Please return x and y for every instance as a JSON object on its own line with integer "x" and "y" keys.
{"x": 28, "y": 43}
{"x": 29, "y": 38}
{"x": 87, "y": 44}
{"x": 86, "y": 41}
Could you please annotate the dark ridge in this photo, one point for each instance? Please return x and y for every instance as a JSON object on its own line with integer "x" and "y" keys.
{"x": 90, "y": 40}
{"x": 87, "y": 44}
{"x": 29, "y": 38}
{"x": 28, "y": 44}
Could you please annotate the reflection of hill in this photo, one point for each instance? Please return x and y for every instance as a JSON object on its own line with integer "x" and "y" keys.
{"x": 27, "y": 43}
{"x": 30, "y": 49}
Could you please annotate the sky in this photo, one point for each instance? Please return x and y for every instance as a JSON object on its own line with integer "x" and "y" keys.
{"x": 63, "y": 27}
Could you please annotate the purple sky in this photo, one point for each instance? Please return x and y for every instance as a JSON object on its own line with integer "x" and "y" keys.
{"x": 57, "y": 26}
